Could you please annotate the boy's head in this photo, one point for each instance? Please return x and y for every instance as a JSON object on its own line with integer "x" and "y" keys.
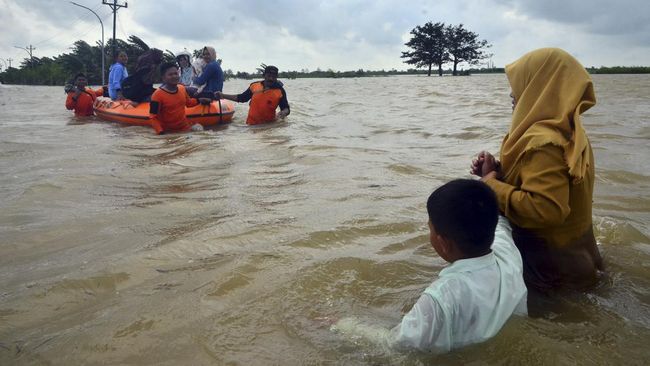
{"x": 463, "y": 215}
{"x": 121, "y": 57}
{"x": 80, "y": 80}
{"x": 169, "y": 73}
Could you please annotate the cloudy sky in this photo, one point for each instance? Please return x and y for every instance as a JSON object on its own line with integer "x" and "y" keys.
{"x": 336, "y": 34}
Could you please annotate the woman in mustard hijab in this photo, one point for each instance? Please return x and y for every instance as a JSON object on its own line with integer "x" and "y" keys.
{"x": 544, "y": 181}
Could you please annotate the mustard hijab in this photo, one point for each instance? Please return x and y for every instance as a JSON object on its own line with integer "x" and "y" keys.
{"x": 552, "y": 89}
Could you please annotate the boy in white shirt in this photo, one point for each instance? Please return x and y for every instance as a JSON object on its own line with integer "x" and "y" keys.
{"x": 473, "y": 297}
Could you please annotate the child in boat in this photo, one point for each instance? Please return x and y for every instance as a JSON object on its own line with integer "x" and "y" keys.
{"x": 116, "y": 75}
{"x": 81, "y": 98}
{"x": 474, "y": 296}
{"x": 168, "y": 103}
{"x": 187, "y": 71}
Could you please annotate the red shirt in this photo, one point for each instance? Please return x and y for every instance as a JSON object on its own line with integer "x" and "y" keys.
{"x": 167, "y": 110}
{"x": 83, "y": 104}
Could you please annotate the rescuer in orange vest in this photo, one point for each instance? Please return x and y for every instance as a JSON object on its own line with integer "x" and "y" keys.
{"x": 80, "y": 97}
{"x": 265, "y": 97}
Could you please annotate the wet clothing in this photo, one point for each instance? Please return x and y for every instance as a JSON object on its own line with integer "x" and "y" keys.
{"x": 83, "y": 104}
{"x": 548, "y": 171}
{"x": 551, "y": 219}
{"x": 167, "y": 110}
{"x": 469, "y": 302}
{"x": 116, "y": 74}
{"x": 263, "y": 102}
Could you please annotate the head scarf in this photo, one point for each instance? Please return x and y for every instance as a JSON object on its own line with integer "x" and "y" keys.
{"x": 552, "y": 89}
{"x": 212, "y": 52}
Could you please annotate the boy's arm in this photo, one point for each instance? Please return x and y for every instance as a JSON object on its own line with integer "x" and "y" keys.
{"x": 503, "y": 242}
{"x": 352, "y": 328}
{"x": 423, "y": 327}
{"x": 189, "y": 101}
{"x": 154, "y": 110}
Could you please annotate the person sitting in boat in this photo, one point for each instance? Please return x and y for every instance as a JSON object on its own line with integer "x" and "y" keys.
{"x": 477, "y": 293}
{"x": 81, "y": 98}
{"x": 117, "y": 73}
{"x": 139, "y": 86}
{"x": 188, "y": 72}
{"x": 167, "y": 107}
{"x": 265, "y": 96}
{"x": 186, "y": 69}
{"x": 212, "y": 75}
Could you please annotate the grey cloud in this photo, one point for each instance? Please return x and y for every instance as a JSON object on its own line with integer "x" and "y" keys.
{"x": 606, "y": 17}
{"x": 308, "y": 20}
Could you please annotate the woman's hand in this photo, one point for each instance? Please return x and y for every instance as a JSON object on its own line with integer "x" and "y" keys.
{"x": 485, "y": 163}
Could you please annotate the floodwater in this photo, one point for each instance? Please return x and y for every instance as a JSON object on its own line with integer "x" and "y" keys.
{"x": 240, "y": 246}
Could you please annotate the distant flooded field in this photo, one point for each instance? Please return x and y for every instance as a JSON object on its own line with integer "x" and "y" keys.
{"x": 240, "y": 245}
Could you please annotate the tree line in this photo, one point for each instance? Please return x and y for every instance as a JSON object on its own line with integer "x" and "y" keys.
{"x": 435, "y": 44}
{"x": 86, "y": 58}
{"x": 83, "y": 57}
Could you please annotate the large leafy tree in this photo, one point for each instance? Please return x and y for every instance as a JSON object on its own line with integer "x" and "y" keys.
{"x": 429, "y": 47}
{"x": 464, "y": 46}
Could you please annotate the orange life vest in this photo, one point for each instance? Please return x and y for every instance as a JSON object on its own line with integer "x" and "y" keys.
{"x": 263, "y": 104}
{"x": 167, "y": 110}
{"x": 83, "y": 104}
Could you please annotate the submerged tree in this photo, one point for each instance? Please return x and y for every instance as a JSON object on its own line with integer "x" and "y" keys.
{"x": 429, "y": 46}
{"x": 436, "y": 44}
{"x": 464, "y": 46}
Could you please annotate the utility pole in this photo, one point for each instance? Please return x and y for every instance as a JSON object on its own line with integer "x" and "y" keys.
{"x": 102, "y": 24}
{"x": 115, "y": 7}
{"x": 10, "y": 59}
{"x": 29, "y": 50}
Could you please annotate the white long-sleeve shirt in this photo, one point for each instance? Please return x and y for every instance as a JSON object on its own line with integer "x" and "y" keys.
{"x": 469, "y": 303}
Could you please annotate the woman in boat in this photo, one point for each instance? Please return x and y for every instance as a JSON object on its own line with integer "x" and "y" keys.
{"x": 544, "y": 181}
{"x": 212, "y": 75}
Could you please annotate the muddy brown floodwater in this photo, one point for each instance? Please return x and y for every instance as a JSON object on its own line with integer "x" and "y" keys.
{"x": 240, "y": 245}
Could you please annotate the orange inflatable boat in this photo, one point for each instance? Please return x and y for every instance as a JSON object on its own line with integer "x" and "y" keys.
{"x": 123, "y": 112}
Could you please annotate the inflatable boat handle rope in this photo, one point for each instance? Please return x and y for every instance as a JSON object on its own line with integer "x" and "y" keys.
{"x": 220, "y": 111}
